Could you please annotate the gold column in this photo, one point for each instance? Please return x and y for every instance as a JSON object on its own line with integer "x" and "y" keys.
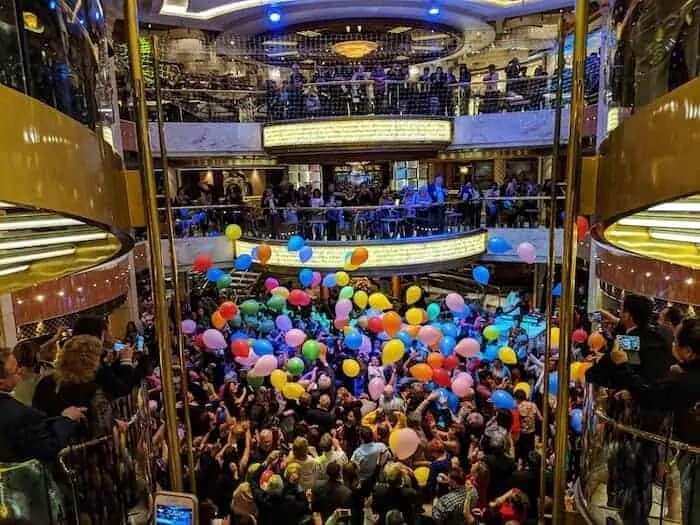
{"x": 551, "y": 261}
{"x": 396, "y": 286}
{"x": 568, "y": 278}
{"x": 153, "y": 228}
{"x": 177, "y": 305}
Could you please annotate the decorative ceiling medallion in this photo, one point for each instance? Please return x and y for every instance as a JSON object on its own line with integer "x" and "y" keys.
{"x": 355, "y": 48}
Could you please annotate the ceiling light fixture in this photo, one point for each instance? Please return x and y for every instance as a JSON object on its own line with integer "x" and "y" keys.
{"x": 33, "y": 224}
{"x": 274, "y": 16}
{"x": 36, "y": 241}
{"x": 355, "y": 48}
{"x": 434, "y": 11}
{"x": 13, "y": 269}
{"x": 36, "y": 256}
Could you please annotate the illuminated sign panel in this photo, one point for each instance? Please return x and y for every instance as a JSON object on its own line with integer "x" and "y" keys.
{"x": 357, "y": 131}
{"x": 381, "y": 256}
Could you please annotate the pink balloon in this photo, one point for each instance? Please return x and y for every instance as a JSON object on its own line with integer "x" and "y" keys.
{"x": 366, "y": 345}
{"x": 271, "y": 283}
{"x": 188, "y": 327}
{"x": 264, "y": 366}
{"x": 294, "y": 337}
{"x": 468, "y": 347}
{"x": 214, "y": 340}
{"x": 429, "y": 335}
{"x": 247, "y": 361}
{"x": 527, "y": 252}
{"x": 406, "y": 443}
{"x": 455, "y": 302}
{"x": 316, "y": 281}
{"x": 462, "y": 385}
{"x": 343, "y": 309}
{"x": 376, "y": 387}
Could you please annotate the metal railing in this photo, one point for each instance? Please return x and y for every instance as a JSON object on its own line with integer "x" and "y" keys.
{"x": 390, "y": 221}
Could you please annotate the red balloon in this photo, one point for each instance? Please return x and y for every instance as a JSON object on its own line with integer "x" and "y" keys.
{"x": 582, "y": 227}
{"x": 340, "y": 323}
{"x": 298, "y": 298}
{"x": 450, "y": 362}
{"x": 228, "y": 310}
{"x": 579, "y": 336}
{"x": 441, "y": 377}
{"x": 201, "y": 263}
{"x": 199, "y": 340}
{"x": 375, "y": 325}
{"x": 240, "y": 348}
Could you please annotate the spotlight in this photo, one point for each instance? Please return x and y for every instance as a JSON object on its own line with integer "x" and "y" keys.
{"x": 434, "y": 11}
{"x": 274, "y": 16}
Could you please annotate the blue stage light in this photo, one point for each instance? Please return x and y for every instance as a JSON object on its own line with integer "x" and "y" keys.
{"x": 274, "y": 16}
{"x": 434, "y": 11}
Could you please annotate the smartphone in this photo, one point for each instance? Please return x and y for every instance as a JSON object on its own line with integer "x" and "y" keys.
{"x": 176, "y": 508}
{"x": 139, "y": 343}
{"x": 630, "y": 345}
{"x": 119, "y": 346}
{"x": 343, "y": 513}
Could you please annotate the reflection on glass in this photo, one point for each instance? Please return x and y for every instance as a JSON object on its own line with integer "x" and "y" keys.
{"x": 11, "y": 73}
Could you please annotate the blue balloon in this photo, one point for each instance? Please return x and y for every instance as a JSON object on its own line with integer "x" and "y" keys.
{"x": 449, "y": 329}
{"x": 556, "y": 291}
{"x": 243, "y": 262}
{"x": 306, "y": 277}
{"x": 447, "y": 345}
{"x": 502, "y": 400}
{"x": 295, "y": 243}
{"x": 329, "y": 281}
{"x": 576, "y": 420}
{"x": 353, "y": 340}
{"x": 262, "y": 347}
{"x": 266, "y": 326}
{"x": 481, "y": 275}
{"x": 405, "y": 338}
{"x": 254, "y": 253}
{"x": 185, "y": 213}
{"x": 214, "y": 274}
{"x": 251, "y": 321}
{"x": 305, "y": 254}
{"x": 491, "y": 352}
{"x": 553, "y": 383}
{"x": 202, "y": 216}
{"x": 240, "y": 334}
{"x": 452, "y": 399}
{"x": 498, "y": 245}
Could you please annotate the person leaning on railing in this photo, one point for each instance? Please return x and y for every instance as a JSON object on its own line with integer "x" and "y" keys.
{"x": 677, "y": 392}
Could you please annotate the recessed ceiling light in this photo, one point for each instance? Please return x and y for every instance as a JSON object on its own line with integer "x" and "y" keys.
{"x": 434, "y": 11}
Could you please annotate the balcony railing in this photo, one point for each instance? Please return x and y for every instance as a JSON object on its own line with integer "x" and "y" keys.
{"x": 345, "y": 98}
{"x": 338, "y": 223}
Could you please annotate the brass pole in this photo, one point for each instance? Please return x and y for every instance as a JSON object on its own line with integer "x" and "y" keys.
{"x": 157, "y": 274}
{"x": 551, "y": 262}
{"x": 568, "y": 278}
{"x": 177, "y": 306}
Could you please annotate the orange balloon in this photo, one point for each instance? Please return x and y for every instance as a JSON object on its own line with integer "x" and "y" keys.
{"x": 217, "y": 321}
{"x": 596, "y": 341}
{"x": 391, "y": 323}
{"x": 264, "y": 253}
{"x": 578, "y": 371}
{"x": 434, "y": 360}
{"x": 322, "y": 348}
{"x": 359, "y": 256}
{"x": 412, "y": 330}
{"x": 422, "y": 372}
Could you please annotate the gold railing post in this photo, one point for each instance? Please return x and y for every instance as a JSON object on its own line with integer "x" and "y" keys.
{"x": 177, "y": 306}
{"x": 153, "y": 228}
{"x": 551, "y": 262}
{"x": 568, "y": 278}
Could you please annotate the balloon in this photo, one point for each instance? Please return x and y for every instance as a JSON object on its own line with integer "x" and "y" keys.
{"x": 243, "y": 262}
{"x": 240, "y": 348}
{"x": 582, "y": 227}
{"x": 447, "y": 345}
{"x": 434, "y": 360}
{"x": 393, "y": 351}
{"x": 293, "y": 391}
{"x": 214, "y": 274}
{"x": 349, "y": 267}
{"x": 415, "y": 316}
{"x": 316, "y": 280}
{"x": 281, "y": 291}
{"x": 554, "y": 336}
{"x": 306, "y": 277}
{"x": 228, "y": 310}
{"x": 455, "y": 302}
{"x": 359, "y": 256}
{"x": 343, "y": 308}
{"x": 491, "y": 333}
{"x": 468, "y": 347}
{"x": 266, "y": 326}
{"x": 361, "y": 299}
{"x": 201, "y": 263}
{"x": 576, "y": 420}
{"x": 254, "y": 380}
{"x": 353, "y": 340}
{"x": 450, "y": 362}
{"x": 329, "y": 281}
{"x": 524, "y": 387}
{"x": 403, "y": 443}
{"x": 298, "y": 298}
{"x": 213, "y": 339}
{"x": 342, "y": 278}
{"x": 263, "y": 347}
{"x": 271, "y": 283}
{"x": 579, "y": 336}
{"x": 278, "y": 378}
{"x": 295, "y": 243}
{"x": 481, "y": 275}
{"x": 376, "y": 387}
{"x": 462, "y": 384}
{"x": 422, "y": 372}
{"x": 441, "y": 377}
{"x": 553, "y": 383}
{"x": 391, "y": 323}
{"x": 449, "y": 329}
{"x": 366, "y": 345}
{"x": 527, "y": 252}
{"x": 199, "y": 341}
{"x": 412, "y": 330}
{"x": 374, "y": 325}
{"x": 310, "y": 349}
{"x": 276, "y": 303}
{"x": 596, "y": 341}
{"x": 378, "y": 301}
{"x": 556, "y": 291}
{"x": 264, "y": 253}
{"x": 217, "y": 321}
{"x": 507, "y": 355}
{"x": 233, "y": 232}
{"x": 433, "y": 311}
{"x": 413, "y": 294}
{"x": 429, "y": 335}
{"x": 189, "y": 327}
{"x": 578, "y": 371}
{"x": 346, "y": 292}
{"x": 264, "y": 366}
{"x": 295, "y": 366}
{"x": 498, "y": 245}
{"x": 294, "y": 337}
{"x": 283, "y": 323}
{"x": 224, "y": 282}
{"x": 305, "y": 254}
{"x": 502, "y": 400}
{"x": 421, "y": 474}
{"x": 351, "y": 368}
{"x": 250, "y": 307}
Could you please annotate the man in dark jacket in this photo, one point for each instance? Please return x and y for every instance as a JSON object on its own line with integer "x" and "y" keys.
{"x": 331, "y": 495}
{"x": 26, "y": 433}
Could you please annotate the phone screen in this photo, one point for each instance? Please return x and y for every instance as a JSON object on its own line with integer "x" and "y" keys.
{"x": 139, "y": 343}
{"x": 171, "y": 514}
{"x": 119, "y": 346}
{"x": 630, "y": 344}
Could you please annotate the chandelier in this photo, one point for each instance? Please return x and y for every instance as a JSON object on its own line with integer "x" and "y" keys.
{"x": 355, "y": 48}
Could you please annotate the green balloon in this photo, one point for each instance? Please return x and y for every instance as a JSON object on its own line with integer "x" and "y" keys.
{"x": 310, "y": 350}
{"x": 224, "y": 282}
{"x": 295, "y": 366}
{"x": 235, "y": 322}
{"x": 346, "y": 292}
{"x": 276, "y": 303}
{"x": 250, "y": 307}
{"x": 255, "y": 381}
{"x": 251, "y": 321}
{"x": 433, "y": 311}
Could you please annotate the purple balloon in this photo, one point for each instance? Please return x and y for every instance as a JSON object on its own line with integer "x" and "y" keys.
{"x": 188, "y": 327}
{"x": 283, "y": 323}
{"x": 214, "y": 340}
{"x": 366, "y": 345}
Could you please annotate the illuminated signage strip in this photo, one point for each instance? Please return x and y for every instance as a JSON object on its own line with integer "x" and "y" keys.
{"x": 381, "y": 256}
{"x": 357, "y": 131}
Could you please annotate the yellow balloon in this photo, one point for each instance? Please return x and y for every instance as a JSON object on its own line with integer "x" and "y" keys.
{"x": 525, "y": 387}
{"x": 361, "y": 299}
{"x": 413, "y": 294}
{"x": 508, "y": 355}
{"x": 233, "y": 232}
{"x": 342, "y": 278}
{"x": 349, "y": 267}
{"x": 278, "y": 378}
{"x": 378, "y": 301}
{"x": 292, "y": 390}
{"x": 415, "y": 316}
{"x": 281, "y": 291}
{"x": 421, "y": 474}
{"x": 554, "y": 337}
{"x": 351, "y": 368}
{"x": 393, "y": 351}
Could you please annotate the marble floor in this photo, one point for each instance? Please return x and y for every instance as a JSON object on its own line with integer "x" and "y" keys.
{"x": 600, "y": 514}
